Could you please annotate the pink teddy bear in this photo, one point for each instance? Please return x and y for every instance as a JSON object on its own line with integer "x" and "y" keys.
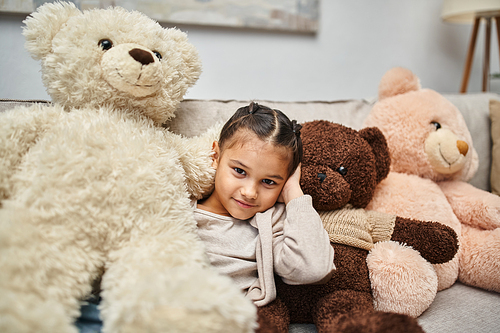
{"x": 433, "y": 157}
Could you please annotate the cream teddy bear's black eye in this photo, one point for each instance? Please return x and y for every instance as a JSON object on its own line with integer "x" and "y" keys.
{"x": 157, "y": 54}
{"x": 436, "y": 125}
{"x": 105, "y": 44}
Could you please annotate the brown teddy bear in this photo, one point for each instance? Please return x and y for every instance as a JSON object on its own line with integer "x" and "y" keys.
{"x": 340, "y": 170}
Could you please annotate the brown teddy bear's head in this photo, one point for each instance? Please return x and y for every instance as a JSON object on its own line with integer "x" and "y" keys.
{"x": 341, "y": 165}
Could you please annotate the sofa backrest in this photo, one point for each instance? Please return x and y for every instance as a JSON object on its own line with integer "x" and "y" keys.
{"x": 196, "y": 116}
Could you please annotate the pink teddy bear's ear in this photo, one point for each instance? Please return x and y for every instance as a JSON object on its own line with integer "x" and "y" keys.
{"x": 396, "y": 81}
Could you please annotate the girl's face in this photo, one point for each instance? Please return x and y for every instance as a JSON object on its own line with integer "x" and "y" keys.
{"x": 249, "y": 177}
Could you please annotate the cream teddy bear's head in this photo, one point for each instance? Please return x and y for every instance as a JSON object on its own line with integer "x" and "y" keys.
{"x": 426, "y": 134}
{"x": 112, "y": 57}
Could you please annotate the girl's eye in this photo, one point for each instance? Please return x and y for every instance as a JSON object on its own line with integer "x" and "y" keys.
{"x": 269, "y": 181}
{"x": 436, "y": 124}
{"x": 105, "y": 44}
{"x": 240, "y": 171}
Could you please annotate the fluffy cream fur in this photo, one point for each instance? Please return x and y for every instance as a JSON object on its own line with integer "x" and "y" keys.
{"x": 420, "y": 186}
{"x": 94, "y": 184}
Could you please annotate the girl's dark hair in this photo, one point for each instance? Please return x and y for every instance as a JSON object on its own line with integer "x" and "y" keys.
{"x": 269, "y": 125}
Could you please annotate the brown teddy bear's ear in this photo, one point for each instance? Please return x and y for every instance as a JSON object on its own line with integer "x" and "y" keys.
{"x": 397, "y": 81}
{"x": 377, "y": 141}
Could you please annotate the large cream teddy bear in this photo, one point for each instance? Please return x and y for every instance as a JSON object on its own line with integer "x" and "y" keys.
{"x": 93, "y": 186}
{"x": 433, "y": 157}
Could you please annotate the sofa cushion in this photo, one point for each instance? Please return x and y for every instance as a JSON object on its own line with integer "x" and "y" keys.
{"x": 495, "y": 150}
{"x": 6, "y": 104}
{"x": 190, "y": 121}
{"x": 462, "y": 308}
{"x": 195, "y": 116}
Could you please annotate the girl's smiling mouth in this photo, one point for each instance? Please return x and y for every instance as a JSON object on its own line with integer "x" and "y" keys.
{"x": 243, "y": 204}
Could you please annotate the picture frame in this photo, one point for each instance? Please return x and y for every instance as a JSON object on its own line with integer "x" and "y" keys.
{"x": 301, "y": 16}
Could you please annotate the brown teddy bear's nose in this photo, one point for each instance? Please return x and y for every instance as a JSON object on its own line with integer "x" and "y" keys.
{"x": 321, "y": 177}
{"x": 141, "y": 56}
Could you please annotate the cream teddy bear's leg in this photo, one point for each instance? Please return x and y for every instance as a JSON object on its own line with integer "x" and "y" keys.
{"x": 43, "y": 274}
{"x": 163, "y": 283}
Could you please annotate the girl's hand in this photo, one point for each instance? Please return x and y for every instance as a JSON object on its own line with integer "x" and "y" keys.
{"x": 291, "y": 189}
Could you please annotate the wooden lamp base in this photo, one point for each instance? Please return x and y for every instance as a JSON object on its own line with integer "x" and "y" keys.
{"x": 472, "y": 45}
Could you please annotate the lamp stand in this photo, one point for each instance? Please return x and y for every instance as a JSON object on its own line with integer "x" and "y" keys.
{"x": 470, "y": 52}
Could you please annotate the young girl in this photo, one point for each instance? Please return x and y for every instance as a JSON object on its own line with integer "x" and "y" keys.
{"x": 257, "y": 221}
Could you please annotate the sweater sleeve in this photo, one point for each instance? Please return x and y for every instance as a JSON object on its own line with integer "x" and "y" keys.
{"x": 302, "y": 252}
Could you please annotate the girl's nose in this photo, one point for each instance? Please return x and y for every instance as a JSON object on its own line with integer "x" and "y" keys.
{"x": 249, "y": 191}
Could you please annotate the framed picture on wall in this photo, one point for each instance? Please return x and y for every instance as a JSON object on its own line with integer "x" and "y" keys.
{"x": 285, "y": 15}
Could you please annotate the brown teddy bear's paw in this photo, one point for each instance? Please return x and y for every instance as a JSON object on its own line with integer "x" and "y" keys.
{"x": 435, "y": 241}
{"x": 273, "y": 318}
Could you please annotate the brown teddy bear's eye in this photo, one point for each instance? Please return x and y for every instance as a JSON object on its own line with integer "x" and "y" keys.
{"x": 436, "y": 124}
{"x": 105, "y": 44}
{"x": 342, "y": 171}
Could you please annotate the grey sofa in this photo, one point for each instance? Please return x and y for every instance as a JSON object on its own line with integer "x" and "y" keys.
{"x": 460, "y": 308}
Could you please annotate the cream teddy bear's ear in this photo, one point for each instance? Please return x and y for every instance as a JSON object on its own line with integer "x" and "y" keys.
{"x": 190, "y": 66}
{"x": 397, "y": 81}
{"x": 43, "y": 24}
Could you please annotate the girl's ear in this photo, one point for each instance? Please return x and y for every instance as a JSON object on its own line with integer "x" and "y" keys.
{"x": 215, "y": 155}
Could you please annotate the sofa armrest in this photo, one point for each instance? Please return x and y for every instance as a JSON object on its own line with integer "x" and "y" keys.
{"x": 7, "y": 104}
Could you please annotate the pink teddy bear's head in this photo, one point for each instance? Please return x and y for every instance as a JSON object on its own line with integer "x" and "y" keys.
{"x": 426, "y": 134}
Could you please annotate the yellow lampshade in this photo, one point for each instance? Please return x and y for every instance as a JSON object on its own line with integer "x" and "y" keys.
{"x": 464, "y": 11}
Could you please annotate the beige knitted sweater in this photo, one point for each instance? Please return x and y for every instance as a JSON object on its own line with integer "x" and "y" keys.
{"x": 357, "y": 227}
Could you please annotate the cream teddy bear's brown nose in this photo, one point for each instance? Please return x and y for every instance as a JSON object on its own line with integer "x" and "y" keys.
{"x": 142, "y": 56}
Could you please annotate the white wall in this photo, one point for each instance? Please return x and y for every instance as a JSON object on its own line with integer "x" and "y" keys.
{"x": 357, "y": 42}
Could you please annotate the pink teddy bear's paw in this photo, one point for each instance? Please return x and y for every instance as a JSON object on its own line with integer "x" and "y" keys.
{"x": 473, "y": 206}
{"x": 484, "y": 211}
{"x": 493, "y": 210}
